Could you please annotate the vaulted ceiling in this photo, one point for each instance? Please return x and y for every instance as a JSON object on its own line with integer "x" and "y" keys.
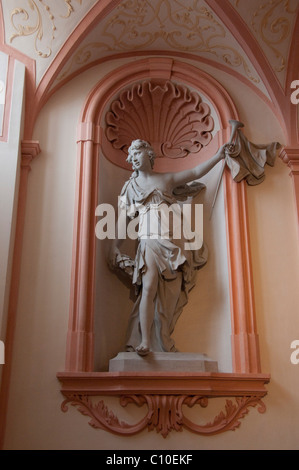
{"x": 257, "y": 41}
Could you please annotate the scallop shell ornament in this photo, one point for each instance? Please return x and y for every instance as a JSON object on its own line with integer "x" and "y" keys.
{"x": 173, "y": 119}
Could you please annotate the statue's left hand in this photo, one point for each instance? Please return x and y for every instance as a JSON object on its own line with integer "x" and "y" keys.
{"x": 221, "y": 151}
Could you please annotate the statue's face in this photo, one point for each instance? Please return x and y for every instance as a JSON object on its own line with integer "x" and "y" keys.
{"x": 140, "y": 160}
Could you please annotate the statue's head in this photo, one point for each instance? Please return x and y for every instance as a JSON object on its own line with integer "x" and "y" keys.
{"x": 139, "y": 144}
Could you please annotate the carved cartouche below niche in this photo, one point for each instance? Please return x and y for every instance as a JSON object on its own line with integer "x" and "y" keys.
{"x": 164, "y": 413}
{"x": 164, "y": 399}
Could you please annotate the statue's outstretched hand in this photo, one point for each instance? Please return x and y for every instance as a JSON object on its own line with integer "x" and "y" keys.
{"x": 112, "y": 257}
{"x": 221, "y": 151}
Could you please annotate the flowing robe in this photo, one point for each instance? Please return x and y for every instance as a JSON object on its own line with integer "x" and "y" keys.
{"x": 176, "y": 264}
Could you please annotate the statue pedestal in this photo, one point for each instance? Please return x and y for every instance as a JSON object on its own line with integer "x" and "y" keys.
{"x": 162, "y": 362}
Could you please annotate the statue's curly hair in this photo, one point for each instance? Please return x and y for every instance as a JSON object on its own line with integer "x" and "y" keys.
{"x": 141, "y": 144}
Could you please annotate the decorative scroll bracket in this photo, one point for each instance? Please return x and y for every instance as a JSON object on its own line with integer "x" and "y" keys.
{"x": 165, "y": 396}
{"x": 165, "y": 414}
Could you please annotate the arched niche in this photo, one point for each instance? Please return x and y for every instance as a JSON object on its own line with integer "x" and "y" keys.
{"x": 182, "y": 125}
{"x": 80, "y": 378}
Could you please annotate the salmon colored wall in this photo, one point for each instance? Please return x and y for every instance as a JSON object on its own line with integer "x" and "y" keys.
{"x": 34, "y": 419}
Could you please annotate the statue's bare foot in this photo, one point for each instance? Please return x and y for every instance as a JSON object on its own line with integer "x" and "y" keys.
{"x": 142, "y": 349}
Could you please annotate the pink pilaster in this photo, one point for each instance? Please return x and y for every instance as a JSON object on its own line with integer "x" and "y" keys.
{"x": 80, "y": 339}
{"x": 245, "y": 343}
{"x": 290, "y": 156}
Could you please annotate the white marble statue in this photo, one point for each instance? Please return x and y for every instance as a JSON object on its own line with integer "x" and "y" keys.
{"x": 163, "y": 270}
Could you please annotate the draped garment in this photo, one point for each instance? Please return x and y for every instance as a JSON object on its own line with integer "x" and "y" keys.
{"x": 176, "y": 264}
{"x": 247, "y": 160}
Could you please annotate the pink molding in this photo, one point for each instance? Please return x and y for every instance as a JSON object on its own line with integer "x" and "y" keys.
{"x": 140, "y": 70}
{"x": 29, "y": 150}
{"x": 290, "y": 156}
{"x": 165, "y": 395}
{"x": 250, "y": 45}
{"x": 293, "y": 56}
{"x": 245, "y": 343}
{"x": 80, "y": 333}
{"x": 292, "y": 74}
{"x": 167, "y": 55}
{"x": 122, "y": 383}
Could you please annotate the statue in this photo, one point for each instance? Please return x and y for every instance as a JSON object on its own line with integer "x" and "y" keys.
{"x": 163, "y": 270}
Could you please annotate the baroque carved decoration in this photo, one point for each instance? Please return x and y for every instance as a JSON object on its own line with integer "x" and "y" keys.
{"x": 164, "y": 413}
{"x": 187, "y": 26}
{"x": 271, "y": 22}
{"x": 172, "y": 118}
{"x": 37, "y": 28}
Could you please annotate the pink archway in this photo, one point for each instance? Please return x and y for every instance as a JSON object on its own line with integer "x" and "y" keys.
{"x": 90, "y": 139}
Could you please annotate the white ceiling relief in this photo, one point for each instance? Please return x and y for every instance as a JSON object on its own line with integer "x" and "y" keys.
{"x": 163, "y": 25}
{"x": 38, "y": 28}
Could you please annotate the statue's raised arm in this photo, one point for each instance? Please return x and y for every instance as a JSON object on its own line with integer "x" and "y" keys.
{"x": 186, "y": 176}
{"x": 164, "y": 267}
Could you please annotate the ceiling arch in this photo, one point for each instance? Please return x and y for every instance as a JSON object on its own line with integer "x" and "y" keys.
{"x": 59, "y": 39}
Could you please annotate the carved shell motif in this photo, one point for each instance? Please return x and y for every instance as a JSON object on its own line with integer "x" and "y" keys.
{"x": 171, "y": 117}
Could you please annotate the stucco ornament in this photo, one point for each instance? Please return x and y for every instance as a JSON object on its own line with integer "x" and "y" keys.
{"x": 172, "y": 118}
{"x": 165, "y": 266}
